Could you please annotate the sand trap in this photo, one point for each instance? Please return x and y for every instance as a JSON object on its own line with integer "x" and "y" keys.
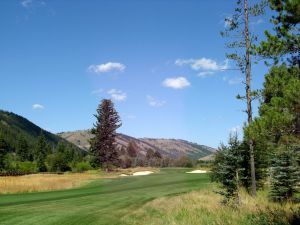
{"x": 123, "y": 175}
{"x": 142, "y": 173}
{"x": 197, "y": 171}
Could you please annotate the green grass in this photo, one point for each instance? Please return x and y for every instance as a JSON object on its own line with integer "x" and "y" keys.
{"x": 104, "y": 201}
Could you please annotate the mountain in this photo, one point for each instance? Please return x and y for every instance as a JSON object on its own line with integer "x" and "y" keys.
{"x": 173, "y": 148}
{"x": 13, "y": 126}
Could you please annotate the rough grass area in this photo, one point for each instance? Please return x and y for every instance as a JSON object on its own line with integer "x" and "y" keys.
{"x": 50, "y": 182}
{"x": 44, "y": 182}
{"x": 204, "y": 208}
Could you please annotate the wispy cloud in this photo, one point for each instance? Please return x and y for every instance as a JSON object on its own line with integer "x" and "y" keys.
{"x": 176, "y": 82}
{"x": 26, "y": 3}
{"x": 107, "y": 67}
{"x": 233, "y": 81}
{"x": 37, "y": 106}
{"x": 205, "y": 73}
{"x": 154, "y": 102}
{"x": 117, "y": 95}
{"x": 202, "y": 64}
{"x": 206, "y": 66}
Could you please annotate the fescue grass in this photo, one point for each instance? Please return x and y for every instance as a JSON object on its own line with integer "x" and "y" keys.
{"x": 51, "y": 182}
{"x": 203, "y": 208}
{"x": 44, "y": 182}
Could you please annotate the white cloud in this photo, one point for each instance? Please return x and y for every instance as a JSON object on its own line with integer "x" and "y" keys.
{"x": 233, "y": 81}
{"x": 205, "y": 73}
{"x": 117, "y": 95}
{"x": 37, "y": 107}
{"x": 176, "y": 82}
{"x": 26, "y": 3}
{"x": 107, "y": 67}
{"x": 154, "y": 102}
{"x": 203, "y": 63}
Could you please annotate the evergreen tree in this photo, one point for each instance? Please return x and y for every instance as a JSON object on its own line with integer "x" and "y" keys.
{"x": 227, "y": 170}
{"x": 285, "y": 175}
{"x": 242, "y": 43}
{"x": 132, "y": 149}
{"x": 103, "y": 143}
{"x": 284, "y": 45}
{"x": 3, "y": 151}
{"x": 41, "y": 153}
{"x": 23, "y": 149}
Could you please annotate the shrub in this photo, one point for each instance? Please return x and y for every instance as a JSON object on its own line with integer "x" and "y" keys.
{"x": 27, "y": 167}
{"x": 57, "y": 163}
{"x": 82, "y": 166}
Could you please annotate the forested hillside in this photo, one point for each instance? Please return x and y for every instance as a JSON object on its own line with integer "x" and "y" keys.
{"x": 13, "y": 127}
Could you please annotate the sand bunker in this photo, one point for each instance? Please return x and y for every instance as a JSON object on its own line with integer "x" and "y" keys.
{"x": 142, "y": 173}
{"x": 197, "y": 171}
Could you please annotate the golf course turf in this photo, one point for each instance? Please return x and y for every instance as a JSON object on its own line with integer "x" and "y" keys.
{"x": 104, "y": 201}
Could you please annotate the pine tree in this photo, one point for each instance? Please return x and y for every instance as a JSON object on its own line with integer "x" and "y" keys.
{"x": 227, "y": 170}
{"x": 103, "y": 143}
{"x": 132, "y": 149}
{"x": 237, "y": 28}
{"x": 23, "y": 149}
{"x": 284, "y": 44}
{"x": 41, "y": 153}
{"x": 285, "y": 176}
{"x": 3, "y": 151}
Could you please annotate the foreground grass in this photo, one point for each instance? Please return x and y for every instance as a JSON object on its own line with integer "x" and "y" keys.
{"x": 103, "y": 201}
{"x": 203, "y": 208}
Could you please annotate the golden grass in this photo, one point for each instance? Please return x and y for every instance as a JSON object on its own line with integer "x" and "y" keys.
{"x": 204, "y": 208}
{"x": 49, "y": 182}
{"x": 44, "y": 182}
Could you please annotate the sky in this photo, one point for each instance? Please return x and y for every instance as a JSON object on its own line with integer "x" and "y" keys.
{"x": 162, "y": 62}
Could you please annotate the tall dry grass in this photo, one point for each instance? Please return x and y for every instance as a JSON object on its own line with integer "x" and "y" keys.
{"x": 204, "y": 208}
{"x": 44, "y": 182}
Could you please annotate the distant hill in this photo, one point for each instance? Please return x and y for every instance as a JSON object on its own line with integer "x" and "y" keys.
{"x": 12, "y": 126}
{"x": 173, "y": 148}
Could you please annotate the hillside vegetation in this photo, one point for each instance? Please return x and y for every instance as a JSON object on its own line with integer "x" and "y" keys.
{"x": 13, "y": 126}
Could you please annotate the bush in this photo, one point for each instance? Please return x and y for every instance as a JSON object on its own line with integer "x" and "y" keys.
{"x": 27, "y": 167}
{"x": 57, "y": 163}
{"x": 81, "y": 167}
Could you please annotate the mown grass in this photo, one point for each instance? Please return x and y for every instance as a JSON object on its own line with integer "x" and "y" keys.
{"x": 103, "y": 201}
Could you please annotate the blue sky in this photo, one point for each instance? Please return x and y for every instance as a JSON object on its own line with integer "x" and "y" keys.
{"x": 161, "y": 62}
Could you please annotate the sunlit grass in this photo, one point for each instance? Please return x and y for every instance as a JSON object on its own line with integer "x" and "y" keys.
{"x": 44, "y": 182}
{"x": 203, "y": 208}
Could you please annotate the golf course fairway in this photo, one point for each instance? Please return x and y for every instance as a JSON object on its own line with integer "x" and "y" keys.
{"x": 104, "y": 201}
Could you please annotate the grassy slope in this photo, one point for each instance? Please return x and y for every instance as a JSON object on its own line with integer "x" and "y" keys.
{"x": 104, "y": 201}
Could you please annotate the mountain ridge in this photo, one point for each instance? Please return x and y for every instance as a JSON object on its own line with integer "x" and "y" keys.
{"x": 168, "y": 147}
